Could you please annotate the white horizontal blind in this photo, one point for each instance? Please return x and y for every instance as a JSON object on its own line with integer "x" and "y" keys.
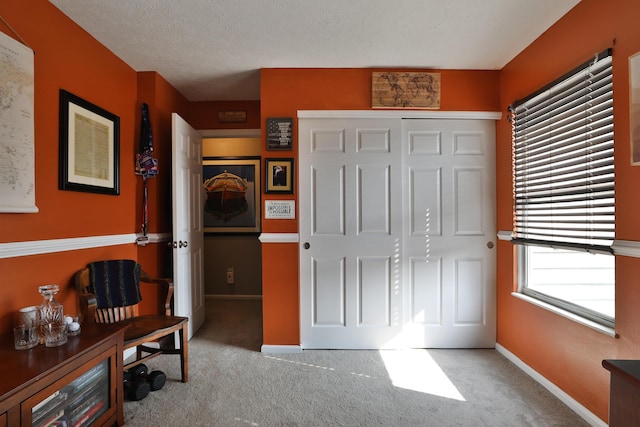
{"x": 563, "y": 161}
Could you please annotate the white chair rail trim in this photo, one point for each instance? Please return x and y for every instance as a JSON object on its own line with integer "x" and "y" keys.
{"x": 626, "y": 248}
{"x": 279, "y": 238}
{"x": 629, "y": 248}
{"x": 38, "y": 247}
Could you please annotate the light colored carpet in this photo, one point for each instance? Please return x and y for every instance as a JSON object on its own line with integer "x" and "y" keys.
{"x": 232, "y": 384}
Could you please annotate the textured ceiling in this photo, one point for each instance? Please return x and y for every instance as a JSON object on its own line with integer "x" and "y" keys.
{"x": 213, "y": 49}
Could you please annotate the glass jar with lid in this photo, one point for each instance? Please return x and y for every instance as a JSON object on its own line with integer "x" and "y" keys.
{"x": 51, "y": 317}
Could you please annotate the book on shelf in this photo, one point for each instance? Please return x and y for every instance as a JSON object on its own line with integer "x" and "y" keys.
{"x": 90, "y": 415}
{"x": 74, "y": 399}
{"x": 100, "y": 370}
{"x": 56, "y": 398}
{"x": 83, "y": 402}
{"x": 49, "y": 407}
{"x": 56, "y": 418}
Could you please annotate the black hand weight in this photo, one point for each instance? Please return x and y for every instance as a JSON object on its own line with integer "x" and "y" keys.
{"x": 135, "y": 386}
{"x": 155, "y": 379}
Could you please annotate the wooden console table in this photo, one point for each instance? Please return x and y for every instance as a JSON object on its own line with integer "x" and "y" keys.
{"x": 79, "y": 382}
{"x": 624, "y": 397}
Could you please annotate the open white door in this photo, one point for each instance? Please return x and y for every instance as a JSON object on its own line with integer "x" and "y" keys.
{"x": 188, "y": 238}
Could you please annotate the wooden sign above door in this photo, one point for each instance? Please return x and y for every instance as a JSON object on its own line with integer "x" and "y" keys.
{"x": 232, "y": 116}
{"x": 405, "y": 90}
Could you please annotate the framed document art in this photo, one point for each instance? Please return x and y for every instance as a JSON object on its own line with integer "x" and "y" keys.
{"x": 279, "y": 175}
{"x": 89, "y": 147}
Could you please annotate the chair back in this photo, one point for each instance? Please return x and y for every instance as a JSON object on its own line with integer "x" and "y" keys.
{"x": 116, "y": 287}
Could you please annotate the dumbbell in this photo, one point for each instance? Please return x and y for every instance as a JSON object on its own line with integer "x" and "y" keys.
{"x": 155, "y": 379}
{"x": 135, "y": 387}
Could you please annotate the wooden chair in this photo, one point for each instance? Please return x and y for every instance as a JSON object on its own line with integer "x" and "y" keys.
{"x": 109, "y": 292}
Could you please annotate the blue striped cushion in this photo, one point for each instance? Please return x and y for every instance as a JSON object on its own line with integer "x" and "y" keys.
{"x": 116, "y": 283}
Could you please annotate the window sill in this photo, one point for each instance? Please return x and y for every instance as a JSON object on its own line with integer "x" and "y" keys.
{"x": 568, "y": 315}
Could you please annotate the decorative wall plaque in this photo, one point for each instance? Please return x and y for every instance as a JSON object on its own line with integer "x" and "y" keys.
{"x": 232, "y": 116}
{"x": 280, "y": 209}
{"x": 405, "y": 90}
{"x": 279, "y": 134}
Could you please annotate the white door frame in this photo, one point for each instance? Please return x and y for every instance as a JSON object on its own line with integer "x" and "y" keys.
{"x": 398, "y": 114}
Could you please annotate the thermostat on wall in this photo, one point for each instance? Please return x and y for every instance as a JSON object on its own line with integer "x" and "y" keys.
{"x": 279, "y": 209}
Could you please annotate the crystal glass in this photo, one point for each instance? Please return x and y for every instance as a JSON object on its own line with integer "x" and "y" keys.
{"x": 51, "y": 312}
{"x": 55, "y": 334}
{"x": 25, "y": 337}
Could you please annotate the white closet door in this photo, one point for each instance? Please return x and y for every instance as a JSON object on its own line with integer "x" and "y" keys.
{"x": 449, "y": 233}
{"x": 397, "y": 226}
{"x": 350, "y": 231}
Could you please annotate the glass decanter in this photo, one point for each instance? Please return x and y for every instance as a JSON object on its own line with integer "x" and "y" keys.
{"x": 51, "y": 317}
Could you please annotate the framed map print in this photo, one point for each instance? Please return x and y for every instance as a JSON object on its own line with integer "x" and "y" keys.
{"x": 405, "y": 90}
{"x": 17, "y": 143}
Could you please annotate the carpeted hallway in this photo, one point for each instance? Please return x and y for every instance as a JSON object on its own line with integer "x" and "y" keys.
{"x": 232, "y": 384}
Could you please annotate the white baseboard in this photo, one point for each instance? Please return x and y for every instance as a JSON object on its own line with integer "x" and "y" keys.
{"x": 233, "y": 297}
{"x": 129, "y": 353}
{"x": 280, "y": 349}
{"x": 583, "y": 412}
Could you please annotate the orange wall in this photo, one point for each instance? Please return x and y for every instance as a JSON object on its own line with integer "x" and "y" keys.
{"x": 285, "y": 91}
{"x": 566, "y": 353}
{"x": 65, "y": 58}
{"x": 162, "y": 99}
{"x": 56, "y": 41}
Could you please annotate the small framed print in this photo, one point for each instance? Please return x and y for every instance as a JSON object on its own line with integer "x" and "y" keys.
{"x": 280, "y": 134}
{"x": 279, "y": 175}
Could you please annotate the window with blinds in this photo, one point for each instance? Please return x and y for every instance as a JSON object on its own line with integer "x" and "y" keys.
{"x": 563, "y": 188}
{"x": 563, "y": 161}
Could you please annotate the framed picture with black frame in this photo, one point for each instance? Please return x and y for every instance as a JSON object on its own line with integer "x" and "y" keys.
{"x": 89, "y": 151}
{"x": 232, "y": 200}
{"x": 280, "y": 133}
{"x": 278, "y": 175}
